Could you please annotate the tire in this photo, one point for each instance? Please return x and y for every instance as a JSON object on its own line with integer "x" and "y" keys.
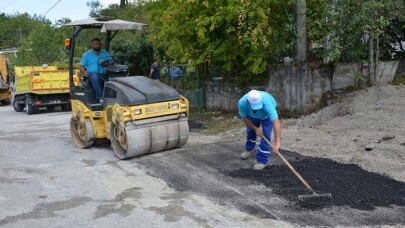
{"x": 5, "y": 102}
{"x": 120, "y": 151}
{"x": 66, "y": 107}
{"x": 29, "y": 108}
{"x": 83, "y": 136}
{"x": 17, "y": 107}
{"x": 50, "y": 108}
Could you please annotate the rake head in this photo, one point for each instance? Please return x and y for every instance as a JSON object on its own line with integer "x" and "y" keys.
{"x": 315, "y": 198}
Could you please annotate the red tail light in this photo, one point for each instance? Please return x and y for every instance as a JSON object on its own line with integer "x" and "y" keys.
{"x": 38, "y": 102}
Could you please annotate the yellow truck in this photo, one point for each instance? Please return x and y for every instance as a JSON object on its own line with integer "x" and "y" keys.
{"x": 42, "y": 86}
{"x": 5, "y": 89}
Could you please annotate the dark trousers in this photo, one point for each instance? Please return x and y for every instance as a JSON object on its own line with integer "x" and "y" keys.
{"x": 97, "y": 82}
{"x": 263, "y": 152}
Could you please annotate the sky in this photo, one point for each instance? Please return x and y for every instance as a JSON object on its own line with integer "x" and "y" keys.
{"x": 73, "y": 9}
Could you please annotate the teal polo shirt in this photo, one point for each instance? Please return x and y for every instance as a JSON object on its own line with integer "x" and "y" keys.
{"x": 268, "y": 110}
{"x": 92, "y": 61}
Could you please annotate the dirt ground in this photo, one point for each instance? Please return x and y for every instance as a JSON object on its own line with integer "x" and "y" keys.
{"x": 354, "y": 148}
{"x": 368, "y": 118}
{"x": 372, "y": 118}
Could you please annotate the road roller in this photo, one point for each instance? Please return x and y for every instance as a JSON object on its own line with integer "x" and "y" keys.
{"x": 137, "y": 114}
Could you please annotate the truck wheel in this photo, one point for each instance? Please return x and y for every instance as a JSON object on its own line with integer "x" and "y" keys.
{"x": 29, "y": 108}
{"x": 66, "y": 107}
{"x": 17, "y": 107}
{"x": 5, "y": 102}
{"x": 50, "y": 108}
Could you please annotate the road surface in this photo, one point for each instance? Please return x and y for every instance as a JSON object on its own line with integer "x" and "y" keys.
{"x": 46, "y": 181}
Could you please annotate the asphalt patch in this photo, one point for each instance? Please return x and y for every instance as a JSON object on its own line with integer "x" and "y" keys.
{"x": 349, "y": 184}
{"x": 205, "y": 170}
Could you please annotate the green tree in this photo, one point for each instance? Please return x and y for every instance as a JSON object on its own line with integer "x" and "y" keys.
{"x": 283, "y": 30}
{"x": 15, "y": 28}
{"x": 130, "y": 47}
{"x": 220, "y": 32}
{"x": 43, "y": 45}
{"x": 95, "y": 8}
{"x": 357, "y": 27}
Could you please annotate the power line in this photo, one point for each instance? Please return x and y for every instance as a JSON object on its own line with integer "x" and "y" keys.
{"x": 52, "y": 7}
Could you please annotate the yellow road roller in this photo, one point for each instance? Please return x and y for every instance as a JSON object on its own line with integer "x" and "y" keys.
{"x": 139, "y": 115}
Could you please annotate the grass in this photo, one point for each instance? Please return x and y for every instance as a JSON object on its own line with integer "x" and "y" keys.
{"x": 399, "y": 81}
{"x": 216, "y": 122}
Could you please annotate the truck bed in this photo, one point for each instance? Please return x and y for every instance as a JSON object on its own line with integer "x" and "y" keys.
{"x": 39, "y": 81}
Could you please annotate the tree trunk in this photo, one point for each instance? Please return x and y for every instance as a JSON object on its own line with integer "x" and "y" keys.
{"x": 123, "y": 3}
{"x": 377, "y": 53}
{"x": 371, "y": 77}
{"x": 301, "y": 30}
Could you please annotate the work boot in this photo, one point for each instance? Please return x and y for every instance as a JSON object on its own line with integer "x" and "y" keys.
{"x": 247, "y": 154}
{"x": 259, "y": 166}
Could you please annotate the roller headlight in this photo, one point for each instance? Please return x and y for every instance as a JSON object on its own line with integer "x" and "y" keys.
{"x": 137, "y": 112}
{"x": 175, "y": 106}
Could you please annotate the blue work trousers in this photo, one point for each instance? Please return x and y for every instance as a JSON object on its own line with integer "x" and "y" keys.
{"x": 263, "y": 152}
{"x": 97, "y": 82}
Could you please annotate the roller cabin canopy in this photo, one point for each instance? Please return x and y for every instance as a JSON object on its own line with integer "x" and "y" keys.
{"x": 107, "y": 24}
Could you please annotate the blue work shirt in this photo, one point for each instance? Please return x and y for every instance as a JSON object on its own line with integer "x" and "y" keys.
{"x": 268, "y": 110}
{"x": 92, "y": 61}
{"x": 175, "y": 73}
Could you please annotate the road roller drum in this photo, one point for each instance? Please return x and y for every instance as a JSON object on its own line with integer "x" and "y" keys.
{"x": 150, "y": 138}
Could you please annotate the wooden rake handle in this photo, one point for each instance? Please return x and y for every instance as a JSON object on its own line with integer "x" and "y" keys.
{"x": 290, "y": 166}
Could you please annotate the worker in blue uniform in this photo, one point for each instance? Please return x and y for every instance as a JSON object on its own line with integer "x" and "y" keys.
{"x": 259, "y": 108}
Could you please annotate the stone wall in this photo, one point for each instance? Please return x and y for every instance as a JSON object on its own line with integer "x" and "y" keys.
{"x": 225, "y": 96}
{"x": 400, "y": 73}
{"x": 298, "y": 89}
{"x": 385, "y": 72}
{"x": 341, "y": 75}
{"x": 221, "y": 96}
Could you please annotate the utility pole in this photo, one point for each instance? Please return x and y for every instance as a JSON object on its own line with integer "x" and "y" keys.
{"x": 21, "y": 37}
{"x": 123, "y": 3}
{"x": 301, "y": 30}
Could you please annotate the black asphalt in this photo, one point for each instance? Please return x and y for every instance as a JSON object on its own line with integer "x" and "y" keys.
{"x": 349, "y": 184}
{"x": 215, "y": 171}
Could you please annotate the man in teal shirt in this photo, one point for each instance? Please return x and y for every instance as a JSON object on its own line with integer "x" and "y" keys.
{"x": 259, "y": 108}
{"x": 93, "y": 65}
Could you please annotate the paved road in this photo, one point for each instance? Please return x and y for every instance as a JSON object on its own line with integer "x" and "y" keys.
{"x": 46, "y": 181}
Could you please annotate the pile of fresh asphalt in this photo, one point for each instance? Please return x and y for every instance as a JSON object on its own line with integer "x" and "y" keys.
{"x": 349, "y": 184}
{"x": 195, "y": 126}
{"x": 215, "y": 170}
